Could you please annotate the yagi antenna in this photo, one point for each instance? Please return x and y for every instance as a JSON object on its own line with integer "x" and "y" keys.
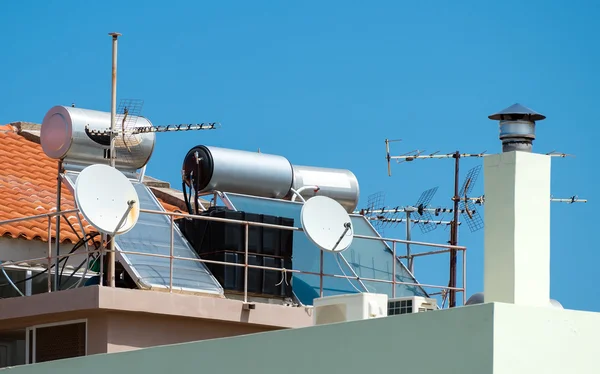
{"x": 126, "y": 131}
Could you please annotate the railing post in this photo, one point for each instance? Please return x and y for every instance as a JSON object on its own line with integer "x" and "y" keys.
{"x": 49, "y": 253}
{"x": 321, "y": 274}
{"x": 464, "y": 275}
{"x": 102, "y": 247}
{"x": 246, "y": 262}
{"x": 171, "y": 259}
{"x": 394, "y": 270}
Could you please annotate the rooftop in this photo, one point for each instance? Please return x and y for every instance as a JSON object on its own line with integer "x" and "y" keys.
{"x": 28, "y": 187}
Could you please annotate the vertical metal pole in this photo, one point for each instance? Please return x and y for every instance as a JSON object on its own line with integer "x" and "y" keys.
{"x": 394, "y": 269}
{"x": 454, "y": 233}
{"x": 58, "y": 218}
{"x": 246, "y": 263}
{"x": 102, "y": 248}
{"x": 408, "y": 238}
{"x": 49, "y": 253}
{"x": 171, "y": 258}
{"x": 28, "y": 283}
{"x": 387, "y": 156}
{"x": 113, "y": 117}
{"x": 321, "y": 275}
{"x": 464, "y": 276}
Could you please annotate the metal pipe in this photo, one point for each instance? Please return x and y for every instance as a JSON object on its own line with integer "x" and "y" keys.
{"x": 464, "y": 280}
{"x": 28, "y": 282}
{"x": 49, "y": 276}
{"x": 246, "y": 263}
{"x": 288, "y": 270}
{"x": 113, "y": 116}
{"x": 113, "y": 98}
{"x": 454, "y": 233}
{"x": 394, "y": 269}
{"x": 408, "y": 238}
{"x": 102, "y": 254}
{"x": 58, "y": 219}
{"x": 321, "y": 273}
{"x": 45, "y": 215}
{"x": 387, "y": 156}
{"x": 171, "y": 258}
{"x": 429, "y": 253}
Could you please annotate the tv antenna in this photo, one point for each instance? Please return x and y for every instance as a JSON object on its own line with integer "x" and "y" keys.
{"x": 421, "y": 213}
{"x": 462, "y": 201}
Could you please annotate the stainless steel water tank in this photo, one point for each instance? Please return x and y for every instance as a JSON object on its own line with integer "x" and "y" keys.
{"x": 265, "y": 175}
{"x": 338, "y": 184}
{"x": 66, "y": 134}
{"x": 235, "y": 171}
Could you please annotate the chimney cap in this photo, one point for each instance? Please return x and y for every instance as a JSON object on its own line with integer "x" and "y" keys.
{"x": 517, "y": 111}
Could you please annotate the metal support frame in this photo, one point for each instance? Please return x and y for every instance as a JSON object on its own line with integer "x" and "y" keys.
{"x": 444, "y": 248}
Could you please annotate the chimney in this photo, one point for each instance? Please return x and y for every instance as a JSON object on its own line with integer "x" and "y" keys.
{"x": 517, "y": 214}
{"x": 517, "y": 127}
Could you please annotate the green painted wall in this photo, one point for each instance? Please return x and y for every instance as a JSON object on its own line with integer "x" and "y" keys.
{"x": 447, "y": 341}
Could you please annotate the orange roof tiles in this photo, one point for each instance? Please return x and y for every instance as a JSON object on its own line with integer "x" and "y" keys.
{"x": 28, "y": 187}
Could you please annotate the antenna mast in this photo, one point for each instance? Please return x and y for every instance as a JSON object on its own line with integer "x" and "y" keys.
{"x": 113, "y": 117}
{"x": 456, "y": 199}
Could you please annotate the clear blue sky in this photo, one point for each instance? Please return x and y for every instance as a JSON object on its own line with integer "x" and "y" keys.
{"x": 325, "y": 82}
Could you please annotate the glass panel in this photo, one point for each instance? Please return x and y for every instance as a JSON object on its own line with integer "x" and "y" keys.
{"x": 152, "y": 234}
{"x": 368, "y": 258}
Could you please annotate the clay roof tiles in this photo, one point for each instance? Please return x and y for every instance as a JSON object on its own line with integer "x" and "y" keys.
{"x": 28, "y": 187}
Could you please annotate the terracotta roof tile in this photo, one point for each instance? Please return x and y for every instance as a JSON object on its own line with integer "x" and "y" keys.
{"x": 28, "y": 187}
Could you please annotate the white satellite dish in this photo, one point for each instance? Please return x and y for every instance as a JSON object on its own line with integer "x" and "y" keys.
{"x": 327, "y": 224}
{"x": 107, "y": 199}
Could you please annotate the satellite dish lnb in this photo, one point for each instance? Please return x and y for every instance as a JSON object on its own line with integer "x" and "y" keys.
{"x": 107, "y": 199}
{"x": 327, "y": 224}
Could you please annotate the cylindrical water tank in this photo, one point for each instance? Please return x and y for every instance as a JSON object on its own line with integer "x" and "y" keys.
{"x": 338, "y": 184}
{"x": 68, "y": 134}
{"x": 235, "y": 171}
{"x": 208, "y": 169}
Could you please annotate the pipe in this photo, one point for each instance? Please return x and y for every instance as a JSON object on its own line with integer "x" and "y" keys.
{"x": 58, "y": 219}
{"x": 454, "y": 234}
{"x": 299, "y": 191}
{"x": 113, "y": 115}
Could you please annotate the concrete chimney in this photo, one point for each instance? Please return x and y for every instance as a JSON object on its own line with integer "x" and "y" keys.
{"x": 517, "y": 215}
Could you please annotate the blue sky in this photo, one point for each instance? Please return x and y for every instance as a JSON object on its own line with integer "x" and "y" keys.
{"x": 324, "y": 83}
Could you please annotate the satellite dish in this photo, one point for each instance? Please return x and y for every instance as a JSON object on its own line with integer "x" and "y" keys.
{"x": 327, "y": 224}
{"x": 107, "y": 199}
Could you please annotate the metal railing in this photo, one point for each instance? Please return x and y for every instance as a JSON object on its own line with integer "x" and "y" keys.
{"x": 173, "y": 215}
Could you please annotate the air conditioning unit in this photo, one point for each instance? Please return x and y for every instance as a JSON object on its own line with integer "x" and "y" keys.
{"x": 350, "y": 307}
{"x": 410, "y": 304}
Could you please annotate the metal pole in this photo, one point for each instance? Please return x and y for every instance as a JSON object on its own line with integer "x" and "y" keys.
{"x": 387, "y": 156}
{"x": 171, "y": 258}
{"x": 58, "y": 218}
{"x": 454, "y": 233}
{"x": 321, "y": 275}
{"x": 408, "y": 238}
{"x": 464, "y": 280}
{"x": 112, "y": 155}
{"x": 246, "y": 263}
{"x": 49, "y": 253}
{"x": 394, "y": 269}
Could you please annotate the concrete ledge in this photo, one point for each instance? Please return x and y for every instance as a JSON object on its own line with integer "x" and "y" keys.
{"x": 96, "y": 298}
